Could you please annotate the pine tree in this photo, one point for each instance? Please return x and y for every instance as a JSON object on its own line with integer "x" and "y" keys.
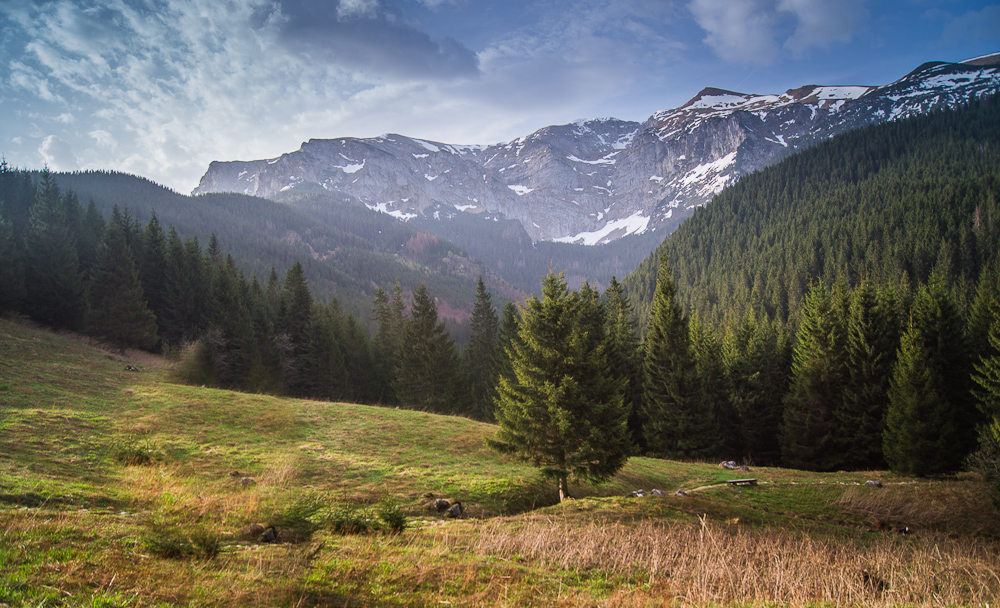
{"x": 324, "y": 373}
{"x": 479, "y": 355}
{"x": 229, "y": 337}
{"x": 117, "y": 308}
{"x": 987, "y": 377}
{"x": 872, "y": 342}
{"x": 561, "y": 410}
{"x": 428, "y": 364}
{"x": 187, "y": 288}
{"x": 919, "y": 435}
{"x": 625, "y": 355}
{"x": 943, "y": 329}
{"x": 387, "y": 344}
{"x": 11, "y": 271}
{"x": 154, "y": 270}
{"x": 90, "y": 233}
{"x": 294, "y": 318}
{"x": 758, "y": 367}
{"x": 675, "y": 426}
{"x": 714, "y": 391}
{"x": 819, "y": 374}
{"x": 54, "y": 292}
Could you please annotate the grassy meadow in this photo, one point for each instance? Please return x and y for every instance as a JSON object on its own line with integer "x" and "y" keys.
{"x": 123, "y": 488}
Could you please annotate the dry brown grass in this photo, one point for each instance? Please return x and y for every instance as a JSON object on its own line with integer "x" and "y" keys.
{"x": 960, "y": 507}
{"x": 724, "y": 563}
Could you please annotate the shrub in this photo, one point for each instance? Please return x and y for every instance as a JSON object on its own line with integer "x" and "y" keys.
{"x": 131, "y": 451}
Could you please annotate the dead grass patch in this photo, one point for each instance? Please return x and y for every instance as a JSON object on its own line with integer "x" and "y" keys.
{"x": 725, "y": 563}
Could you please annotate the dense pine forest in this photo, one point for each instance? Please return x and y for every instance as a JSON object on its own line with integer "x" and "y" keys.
{"x": 840, "y": 310}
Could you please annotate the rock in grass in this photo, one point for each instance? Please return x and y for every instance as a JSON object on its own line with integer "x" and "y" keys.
{"x": 874, "y": 483}
{"x": 270, "y": 535}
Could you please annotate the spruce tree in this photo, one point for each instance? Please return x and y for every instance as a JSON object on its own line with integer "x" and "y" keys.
{"x": 872, "y": 342}
{"x": 117, "y": 310}
{"x": 987, "y": 378}
{"x": 11, "y": 271}
{"x": 229, "y": 337}
{"x": 90, "y": 233}
{"x": 714, "y": 391}
{"x": 479, "y": 355}
{"x": 294, "y": 318}
{"x": 427, "y": 376}
{"x": 561, "y": 410}
{"x": 154, "y": 270}
{"x": 757, "y": 365}
{"x": 324, "y": 371}
{"x": 943, "y": 329}
{"x": 920, "y": 434}
{"x": 387, "y": 344}
{"x": 54, "y": 293}
{"x": 674, "y": 423}
{"x": 625, "y": 355}
{"x": 819, "y": 374}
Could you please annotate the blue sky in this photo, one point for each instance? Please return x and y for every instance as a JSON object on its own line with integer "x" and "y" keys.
{"x": 161, "y": 88}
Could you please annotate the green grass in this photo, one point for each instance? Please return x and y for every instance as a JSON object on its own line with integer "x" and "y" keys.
{"x": 128, "y": 489}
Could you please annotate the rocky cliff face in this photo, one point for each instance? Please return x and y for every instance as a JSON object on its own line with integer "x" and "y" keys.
{"x": 595, "y": 181}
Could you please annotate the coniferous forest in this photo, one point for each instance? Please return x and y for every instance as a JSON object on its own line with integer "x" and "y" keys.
{"x": 838, "y": 310}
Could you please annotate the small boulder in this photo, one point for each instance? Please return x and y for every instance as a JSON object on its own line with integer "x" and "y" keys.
{"x": 681, "y": 493}
{"x": 270, "y": 535}
{"x": 729, "y": 465}
{"x": 657, "y": 493}
{"x": 456, "y": 511}
{"x": 636, "y": 494}
{"x": 440, "y": 505}
{"x": 874, "y": 482}
{"x": 247, "y": 481}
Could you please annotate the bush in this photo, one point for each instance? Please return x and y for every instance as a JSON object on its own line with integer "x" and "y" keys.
{"x": 170, "y": 542}
{"x": 130, "y": 451}
{"x": 390, "y": 515}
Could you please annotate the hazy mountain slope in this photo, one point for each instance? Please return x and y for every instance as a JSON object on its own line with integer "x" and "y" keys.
{"x": 348, "y": 252}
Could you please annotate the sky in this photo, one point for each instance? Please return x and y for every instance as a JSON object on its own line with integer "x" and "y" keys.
{"x": 160, "y": 88}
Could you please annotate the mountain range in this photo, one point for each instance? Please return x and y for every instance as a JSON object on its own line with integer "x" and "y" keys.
{"x": 593, "y": 182}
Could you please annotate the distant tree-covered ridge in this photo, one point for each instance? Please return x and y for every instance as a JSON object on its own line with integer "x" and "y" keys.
{"x": 345, "y": 250}
{"x": 884, "y": 204}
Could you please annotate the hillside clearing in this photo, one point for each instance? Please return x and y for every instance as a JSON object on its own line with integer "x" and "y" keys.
{"x": 80, "y": 527}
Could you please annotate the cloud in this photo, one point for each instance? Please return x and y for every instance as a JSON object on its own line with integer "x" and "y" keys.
{"x": 739, "y": 31}
{"x": 982, "y": 24}
{"x": 104, "y": 138}
{"x": 751, "y": 31}
{"x": 365, "y": 35}
{"x": 58, "y": 154}
{"x": 821, "y": 23}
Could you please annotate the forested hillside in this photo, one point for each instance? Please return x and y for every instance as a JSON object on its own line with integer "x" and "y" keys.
{"x": 347, "y": 252}
{"x": 886, "y": 203}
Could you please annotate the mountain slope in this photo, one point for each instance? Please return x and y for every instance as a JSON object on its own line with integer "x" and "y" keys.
{"x": 597, "y": 181}
{"x": 346, "y": 252}
{"x": 887, "y": 203}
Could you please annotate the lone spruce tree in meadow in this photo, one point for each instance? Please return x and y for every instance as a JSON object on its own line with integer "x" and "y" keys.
{"x": 559, "y": 409}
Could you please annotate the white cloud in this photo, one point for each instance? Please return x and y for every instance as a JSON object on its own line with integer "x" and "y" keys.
{"x": 740, "y": 31}
{"x": 821, "y": 23}
{"x": 982, "y": 24}
{"x": 750, "y": 31}
{"x": 357, "y": 9}
{"x": 58, "y": 154}
{"x": 104, "y": 138}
